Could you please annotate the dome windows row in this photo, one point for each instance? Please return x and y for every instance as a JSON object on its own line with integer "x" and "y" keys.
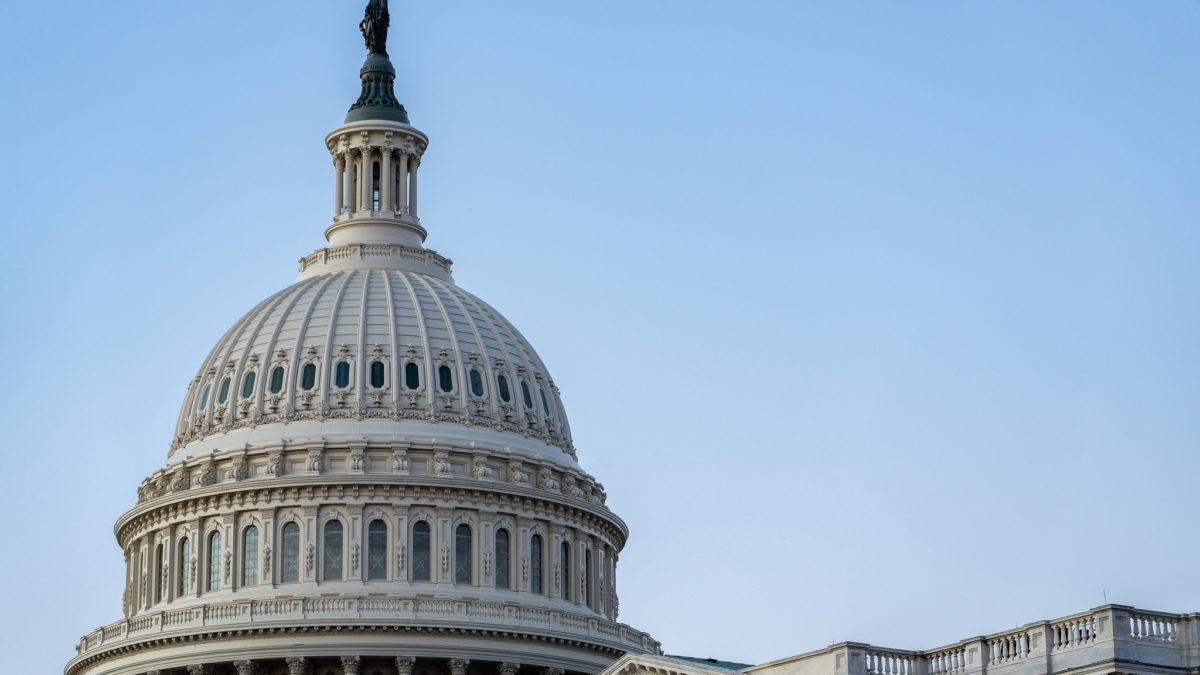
{"x": 326, "y": 561}
{"x": 376, "y": 379}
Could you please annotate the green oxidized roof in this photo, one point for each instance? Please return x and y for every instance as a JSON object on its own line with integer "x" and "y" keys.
{"x": 727, "y": 665}
{"x": 378, "y": 98}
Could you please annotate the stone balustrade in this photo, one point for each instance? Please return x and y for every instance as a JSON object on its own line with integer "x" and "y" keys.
{"x": 369, "y": 611}
{"x": 1104, "y": 639}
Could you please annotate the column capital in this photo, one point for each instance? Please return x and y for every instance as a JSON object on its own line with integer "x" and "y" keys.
{"x": 244, "y": 667}
{"x": 458, "y": 666}
{"x": 350, "y": 664}
{"x": 404, "y": 664}
{"x": 339, "y": 160}
{"x": 197, "y": 669}
{"x": 297, "y": 665}
{"x": 552, "y": 671}
{"x": 507, "y": 668}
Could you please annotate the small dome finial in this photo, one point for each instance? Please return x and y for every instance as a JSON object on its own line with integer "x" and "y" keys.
{"x": 378, "y": 98}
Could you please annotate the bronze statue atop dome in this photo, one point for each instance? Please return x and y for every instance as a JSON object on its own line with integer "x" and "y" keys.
{"x": 374, "y": 26}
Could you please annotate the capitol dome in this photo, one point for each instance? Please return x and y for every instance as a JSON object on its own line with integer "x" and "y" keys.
{"x": 371, "y": 471}
{"x": 366, "y": 351}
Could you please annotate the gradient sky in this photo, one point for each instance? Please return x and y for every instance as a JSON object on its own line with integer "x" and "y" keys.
{"x": 878, "y": 321}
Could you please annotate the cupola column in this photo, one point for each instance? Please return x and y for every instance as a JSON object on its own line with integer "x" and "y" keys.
{"x": 402, "y": 184}
{"x": 414, "y": 162}
{"x": 364, "y": 179}
{"x": 348, "y": 173}
{"x": 385, "y": 178}
{"x": 339, "y": 166}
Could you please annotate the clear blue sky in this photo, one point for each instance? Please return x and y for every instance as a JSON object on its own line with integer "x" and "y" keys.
{"x": 879, "y": 321}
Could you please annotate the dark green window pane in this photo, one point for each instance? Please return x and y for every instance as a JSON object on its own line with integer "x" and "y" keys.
{"x": 545, "y": 406}
{"x": 161, "y": 585}
{"x": 290, "y": 560}
{"x": 204, "y": 398}
{"x": 505, "y": 394}
{"x": 420, "y": 551}
{"x": 223, "y": 393}
{"x": 412, "y": 376}
{"x": 525, "y": 395}
{"x": 476, "y": 382}
{"x": 462, "y": 554}
{"x": 587, "y": 578}
{"x": 277, "y": 379}
{"x": 375, "y": 186}
{"x": 250, "y": 556}
{"x": 214, "y": 561}
{"x": 341, "y": 374}
{"x": 445, "y": 378}
{"x": 377, "y": 374}
{"x": 501, "y": 558}
{"x": 377, "y": 550}
{"x": 566, "y": 565}
{"x": 535, "y": 564}
{"x": 185, "y": 554}
{"x": 308, "y": 376}
{"x": 332, "y": 565}
{"x": 248, "y": 385}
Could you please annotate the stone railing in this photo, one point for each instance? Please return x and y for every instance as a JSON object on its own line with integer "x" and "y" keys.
{"x": 1112, "y": 634}
{"x": 365, "y": 610}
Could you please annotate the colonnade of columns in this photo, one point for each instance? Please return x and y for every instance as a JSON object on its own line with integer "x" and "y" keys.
{"x": 350, "y": 665}
{"x": 358, "y": 189}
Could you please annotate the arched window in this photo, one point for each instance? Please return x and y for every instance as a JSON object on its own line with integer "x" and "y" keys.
{"x": 375, "y": 186}
{"x": 412, "y": 375}
{"x": 160, "y": 582}
{"x": 289, "y": 560}
{"x": 276, "y": 379}
{"x": 545, "y": 406}
{"x": 341, "y": 374}
{"x": 184, "y": 570}
{"x": 331, "y": 567}
{"x": 462, "y": 554}
{"x": 505, "y": 394}
{"x": 308, "y": 376}
{"x": 223, "y": 392}
{"x": 502, "y": 558}
{"x": 377, "y": 374}
{"x": 376, "y": 550}
{"x": 566, "y": 570}
{"x": 248, "y": 385}
{"x": 525, "y": 395}
{"x": 535, "y": 564}
{"x": 476, "y": 382}
{"x": 214, "y": 561}
{"x": 204, "y": 398}
{"x": 445, "y": 378}
{"x": 420, "y": 551}
{"x": 250, "y": 556}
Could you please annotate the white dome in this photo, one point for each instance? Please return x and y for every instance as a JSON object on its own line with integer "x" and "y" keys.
{"x": 373, "y": 351}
